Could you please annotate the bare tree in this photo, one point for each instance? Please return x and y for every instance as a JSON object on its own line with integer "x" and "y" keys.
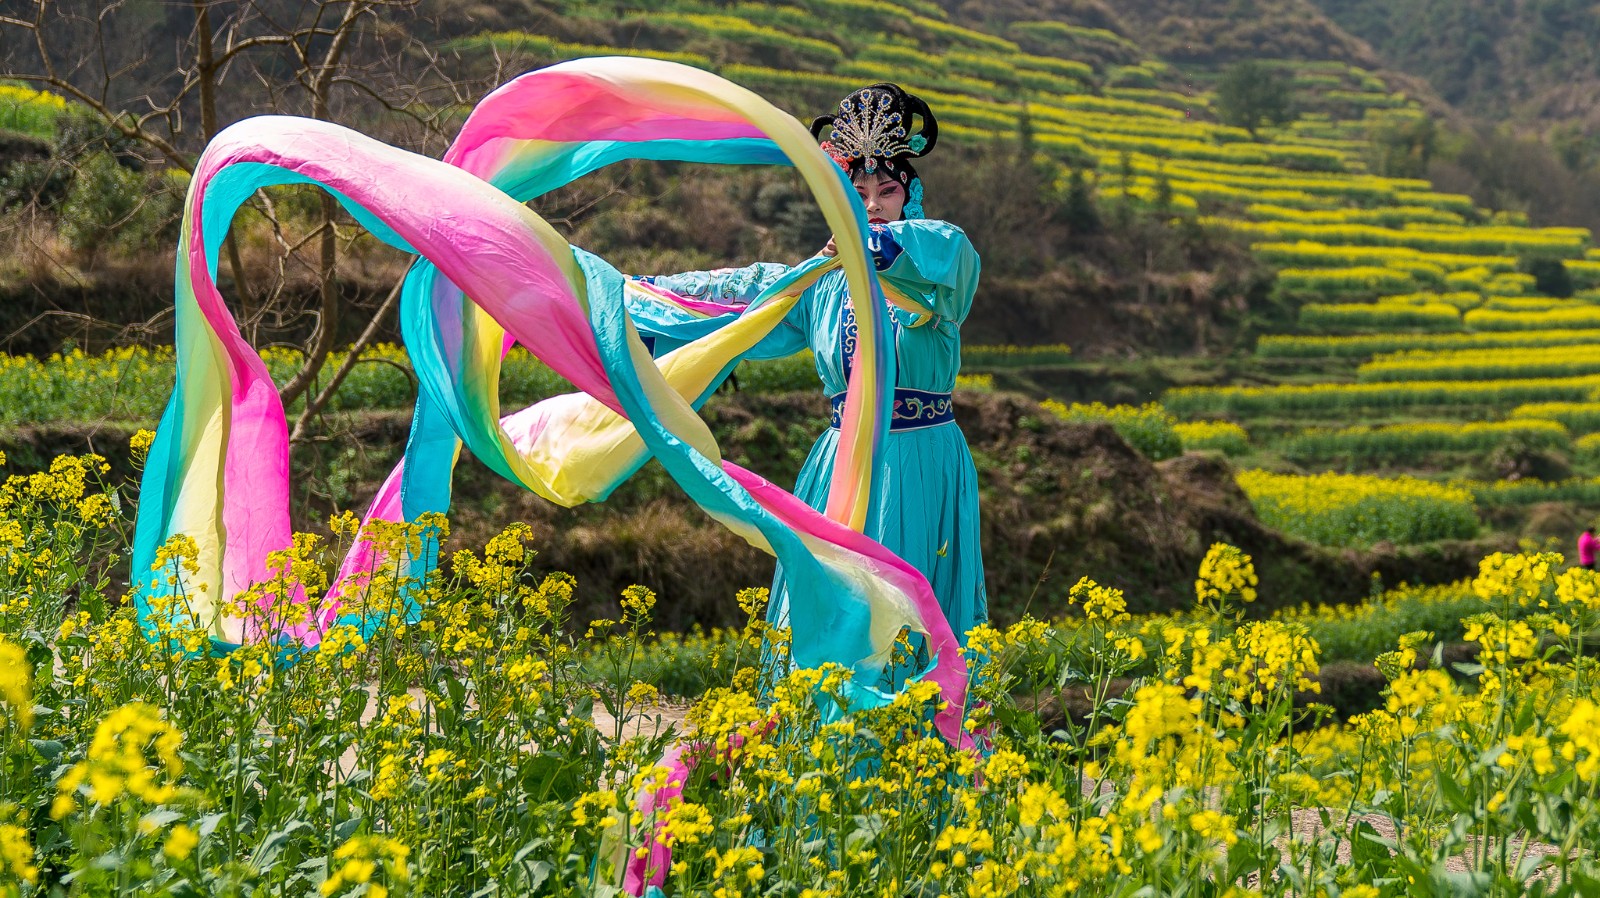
{"x": 149, "y": 71}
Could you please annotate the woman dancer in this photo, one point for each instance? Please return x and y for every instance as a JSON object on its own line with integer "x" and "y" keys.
{"x": 928, "y": 513}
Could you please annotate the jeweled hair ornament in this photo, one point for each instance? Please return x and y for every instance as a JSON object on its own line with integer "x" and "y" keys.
{"x": 873, "y": 129}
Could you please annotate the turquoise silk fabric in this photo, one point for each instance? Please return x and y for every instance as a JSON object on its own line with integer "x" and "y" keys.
{"x": 928, "y": 514}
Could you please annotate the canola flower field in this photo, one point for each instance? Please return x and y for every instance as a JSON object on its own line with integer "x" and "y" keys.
{"x": 457, "y": 752}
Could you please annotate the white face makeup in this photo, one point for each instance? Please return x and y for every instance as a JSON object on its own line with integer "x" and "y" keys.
{"x": 885, "y": 199}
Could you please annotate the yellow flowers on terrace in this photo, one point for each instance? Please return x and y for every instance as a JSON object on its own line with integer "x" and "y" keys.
{"x": 1294, "y": 398}
{"x": 1358, "y": 509}
{"x": 18, "y": 94}
{"x": 1461, "y": 241}
{"x": 1348, "y": 279}
{"x": 1564, "y": 318}
{"x": 1225, "y": 436}
{"x": 1312, "y": 253}
{"x": 1361, "y": 345}
{"x": 1433, "y": 316}
{"x": 30, "y": 111}
{"x": 1484, "y": 364}
{"x": 1148, "y": 427}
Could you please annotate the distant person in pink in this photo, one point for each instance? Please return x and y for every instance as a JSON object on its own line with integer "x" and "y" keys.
{"x": 1586, "y": 546}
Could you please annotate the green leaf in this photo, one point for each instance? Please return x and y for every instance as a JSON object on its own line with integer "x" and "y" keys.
{"x": 1452, "y": 792}
{"x": 347, "y": 828}
{"x": 208, "y": 824}
{"x": 160, "y": 818}
{"x": 1531, "y": 864}
{"x": 1370, "y": 851}
{"x": 538, "y": 872}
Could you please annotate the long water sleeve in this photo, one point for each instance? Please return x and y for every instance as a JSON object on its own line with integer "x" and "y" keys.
{"x": 735, "y": 286}
{"x": 666, "y": 326}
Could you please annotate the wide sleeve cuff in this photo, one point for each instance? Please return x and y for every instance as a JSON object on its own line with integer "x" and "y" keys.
{"x": 937, "y": 267}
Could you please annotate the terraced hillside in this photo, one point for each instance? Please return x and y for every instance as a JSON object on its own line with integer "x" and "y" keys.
{"x": 1088, "y": 95}
{"x": 1417, "y": 311}
{"x": 1412, "y": 331}
{"x": 1433, "y": 341}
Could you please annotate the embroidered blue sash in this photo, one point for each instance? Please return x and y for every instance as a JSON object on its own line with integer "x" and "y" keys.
{"x": 913, "y": 409}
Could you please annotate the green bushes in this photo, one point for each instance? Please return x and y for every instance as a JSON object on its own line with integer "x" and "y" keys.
{"x": 109, "y": 205}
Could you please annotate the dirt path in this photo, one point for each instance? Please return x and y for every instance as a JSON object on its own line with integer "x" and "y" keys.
{"x": 653, "y": 721}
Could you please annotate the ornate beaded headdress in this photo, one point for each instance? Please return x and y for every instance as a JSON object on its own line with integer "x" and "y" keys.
{"x": 873, "y": 130}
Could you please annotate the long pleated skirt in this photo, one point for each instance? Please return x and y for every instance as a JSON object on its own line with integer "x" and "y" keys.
{"x": 928, "y": 515}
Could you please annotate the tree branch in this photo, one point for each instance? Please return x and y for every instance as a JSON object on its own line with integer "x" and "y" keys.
{"x": 317, "y": 403}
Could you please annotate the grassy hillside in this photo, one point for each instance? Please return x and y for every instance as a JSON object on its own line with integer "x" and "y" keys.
{"x": 1536, "y": 59}
{"x": 1404, "y": 328}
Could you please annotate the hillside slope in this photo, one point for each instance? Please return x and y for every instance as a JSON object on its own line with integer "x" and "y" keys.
{"x": 1535, "y": 60}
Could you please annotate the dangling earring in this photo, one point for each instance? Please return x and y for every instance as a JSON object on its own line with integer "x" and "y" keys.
{"x": 913, "y": 209}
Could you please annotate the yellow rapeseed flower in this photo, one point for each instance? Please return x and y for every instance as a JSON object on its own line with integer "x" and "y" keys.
{"x": 16, "y": 854}
{"x": 1225, "y": 573}
{"x": 180, "y": 843}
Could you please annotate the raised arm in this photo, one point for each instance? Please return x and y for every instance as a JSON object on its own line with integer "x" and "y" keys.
{"x": 735, "y": 286}
{"x": 933, "y": 263}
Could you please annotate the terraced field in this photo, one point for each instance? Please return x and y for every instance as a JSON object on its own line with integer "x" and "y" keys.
{"x": 1428, "y": 341}
{"x": 1424, "y": 343}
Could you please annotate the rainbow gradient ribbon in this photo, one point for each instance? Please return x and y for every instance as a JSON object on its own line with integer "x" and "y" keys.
{"x": 492, "y": 274}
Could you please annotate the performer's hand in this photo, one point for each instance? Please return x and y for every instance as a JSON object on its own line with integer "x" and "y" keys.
{"x": 830, "y": 249}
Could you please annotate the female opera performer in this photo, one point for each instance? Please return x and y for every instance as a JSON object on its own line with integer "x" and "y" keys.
{"x": 928, "y": 513}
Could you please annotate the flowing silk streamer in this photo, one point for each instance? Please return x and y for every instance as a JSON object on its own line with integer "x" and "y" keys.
{"x": 491, "y": 273}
